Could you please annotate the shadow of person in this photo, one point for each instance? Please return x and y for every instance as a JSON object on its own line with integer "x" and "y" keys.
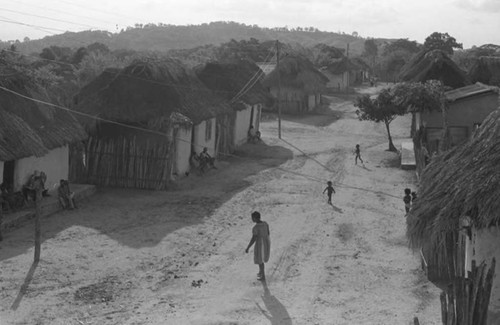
{"x": 364, "y": 167}
{"x": 336, "y": 209}
{"x": 275, "y": 311}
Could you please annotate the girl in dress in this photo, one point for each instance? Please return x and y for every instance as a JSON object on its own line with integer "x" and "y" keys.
{"x": 262, "y": 249}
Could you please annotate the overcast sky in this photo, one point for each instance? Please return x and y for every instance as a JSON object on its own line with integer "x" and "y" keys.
{"x": 471, "y": 22}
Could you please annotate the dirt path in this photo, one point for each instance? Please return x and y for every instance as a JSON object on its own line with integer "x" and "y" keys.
{"x": 137, "y": 257}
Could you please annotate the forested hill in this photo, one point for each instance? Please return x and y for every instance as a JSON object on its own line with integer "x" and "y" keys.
{"x": 161, "y": 37}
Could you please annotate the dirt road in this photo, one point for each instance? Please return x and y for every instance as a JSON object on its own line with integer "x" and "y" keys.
{"x": 141, "y": 257}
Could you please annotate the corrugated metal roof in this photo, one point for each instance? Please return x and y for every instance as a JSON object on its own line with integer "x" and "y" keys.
{"x": 468, "y": 91}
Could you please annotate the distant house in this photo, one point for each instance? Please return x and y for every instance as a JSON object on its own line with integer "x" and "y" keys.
{"x": 486, "y": 69}
{"x": 344, "y": 73}
{"x": 162, "y": 96}
{"x": 33, "y": 136}
{"x": 455, "y": 221}
{"x": 467, "y": 108}
{"x": 297, "y": 85}
{"x": 434, "y": 65}
{"x": 239, "y": 83}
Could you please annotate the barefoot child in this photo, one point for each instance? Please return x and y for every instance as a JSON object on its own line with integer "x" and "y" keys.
{"x": 262, "y": 249}
{"x": 330, "y": 190}
{"x": 357, "y": 152}
{"x": 407, "y": 199}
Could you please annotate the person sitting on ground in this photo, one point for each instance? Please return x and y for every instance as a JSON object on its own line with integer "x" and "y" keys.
{"x": 253, "y": 136}
{"x": 206, "y": 159}
{"x": 66, "y": 197}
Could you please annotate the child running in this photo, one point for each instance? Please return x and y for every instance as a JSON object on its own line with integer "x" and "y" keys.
{"x": 330, "y": 190}
{"x": 262, "y": 249}
{"x": 357, "y": 152}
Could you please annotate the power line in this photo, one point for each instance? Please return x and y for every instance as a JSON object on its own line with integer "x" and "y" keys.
{"x": 41, "y": 28}
{"x": 48, "y": 18}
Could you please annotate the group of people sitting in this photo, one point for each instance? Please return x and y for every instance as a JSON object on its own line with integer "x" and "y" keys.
{"x": 202, "y": 161}
{"x": 253, "y": 135}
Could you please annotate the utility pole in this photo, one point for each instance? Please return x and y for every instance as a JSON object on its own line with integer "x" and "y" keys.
{"x": 348, "y": 70}
{"x": 279, "y": 86}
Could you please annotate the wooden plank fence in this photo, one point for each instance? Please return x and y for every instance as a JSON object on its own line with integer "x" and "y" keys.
{"x": 467, "y": 299}
{"x": 122, "y": 162}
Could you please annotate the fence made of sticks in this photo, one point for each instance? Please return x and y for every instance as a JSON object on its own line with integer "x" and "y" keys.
{"x": 122, "y": 162}
{"x": 466, "y": 300}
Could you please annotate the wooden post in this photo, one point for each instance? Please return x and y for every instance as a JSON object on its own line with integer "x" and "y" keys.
{"x": 1, "y": 218}
{"x": 279, "y": 86}
{"x": 38, "y": 212}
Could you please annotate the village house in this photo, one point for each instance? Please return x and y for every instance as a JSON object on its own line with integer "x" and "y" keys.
{"x": 467, "y": 107}
{"x": 296, "y": 84}
{"x": 344, "y": 73}
{"x": 434, "y": 65}
{"x": 33, "y": 136}
{"x": 455, "y": 221}
{"x": 165, "y": 113}
{"x": 239, "y": 83}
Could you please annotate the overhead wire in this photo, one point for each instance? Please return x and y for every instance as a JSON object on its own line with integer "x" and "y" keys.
{"x": 47, "y": 18}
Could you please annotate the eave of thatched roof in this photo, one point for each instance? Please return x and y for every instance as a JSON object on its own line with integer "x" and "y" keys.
{"x": 28, "y": 128}
{"x": 476, "y": 89}
{"x": 486, "y": 69}
{"x": 296, "y": 72}
{"x": 434, "y": 65}
{"x": 342, "y": 65}
{"x": 463, "y": 182}
{"x": 228, "y": 79}
{"x": 147, "y": 90}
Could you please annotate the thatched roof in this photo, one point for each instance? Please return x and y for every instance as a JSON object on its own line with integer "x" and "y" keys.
{"x": 28, "y": 128}
{"x": 228, "y": 79}
{"x": 149, "y": 90}
{"x": 296, "y": 72}
{"x": 464, "y": 181}
{"x": 434, "y": 65}
{"x": 486, "y": 69}
{"x": 342, "y": 65}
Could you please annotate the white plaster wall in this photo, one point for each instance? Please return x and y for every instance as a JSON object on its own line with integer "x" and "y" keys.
{"x": 55, "y": 164}
{"x": 242, "y": 124}
{"x": 1, "y": 172}
{"x": 183, "y": 150}
{"x": 257, "y": 112}
{"x": 311, "y": 102}
{"x": 199, "y": 140}
{"x": 485, "y": 246}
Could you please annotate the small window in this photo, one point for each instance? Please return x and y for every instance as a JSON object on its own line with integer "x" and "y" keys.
{"x": 208, "y": 130}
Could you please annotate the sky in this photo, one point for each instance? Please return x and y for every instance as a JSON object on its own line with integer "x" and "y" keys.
{"x": 471, "y": 22}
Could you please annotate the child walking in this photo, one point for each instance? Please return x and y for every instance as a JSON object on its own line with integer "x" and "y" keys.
{"x": 330, "y": 190}
{"x": 262, "y": 249}
{"x": 357, "y": 152}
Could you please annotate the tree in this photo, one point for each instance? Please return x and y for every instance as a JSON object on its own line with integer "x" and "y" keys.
{"x": 402, "y": 44}
{"x": 441, "y": 41}
{"x": 383, "y": 108}
{"x": 371, "y": 51}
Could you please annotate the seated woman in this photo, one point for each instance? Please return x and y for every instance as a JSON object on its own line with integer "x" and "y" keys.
{"x": 36, "y": 180}
{"x": 206, "y": 159}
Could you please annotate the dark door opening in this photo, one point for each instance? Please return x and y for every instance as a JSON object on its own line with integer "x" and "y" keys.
{"x": 8, "y": 173}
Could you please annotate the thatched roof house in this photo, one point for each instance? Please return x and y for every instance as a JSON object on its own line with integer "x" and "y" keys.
{"x": 296, "y": 72}
{"x": 28, "y": 128}
{"x": 486, "y": 69}
{"x": 434, "y": 65}
{"x": 228, "y": 79}
{"x": 149, "y": 90}
{"x": 463, "y": 182}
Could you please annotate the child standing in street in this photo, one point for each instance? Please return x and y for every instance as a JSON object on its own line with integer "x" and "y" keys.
{"x": 407, "y": 199}
{"x": 262, "y": 249}
{"x": 357, "y": 152}
{"x": 330, "y": 190}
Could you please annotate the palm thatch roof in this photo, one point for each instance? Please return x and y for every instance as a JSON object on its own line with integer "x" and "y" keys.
{"x": 296, "y": 72}
{"x": 228, "y": 79}
{"x": 29, "y": 128}
{"x": 149, "y": 90}
{"x": 434, "y": 65}
{"x": 463, "y": 182}
{"x": 486, "y": 69}
{"x": 342, "y": 65}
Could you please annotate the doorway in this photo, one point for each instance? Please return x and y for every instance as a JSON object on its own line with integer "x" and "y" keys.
{"x": 8, "y": 173}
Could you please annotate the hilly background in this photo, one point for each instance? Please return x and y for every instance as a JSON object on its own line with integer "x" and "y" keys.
{"x": 163, "y": 38}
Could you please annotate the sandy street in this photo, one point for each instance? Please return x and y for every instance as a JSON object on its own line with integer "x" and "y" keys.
{"x": 177, "y": 257}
